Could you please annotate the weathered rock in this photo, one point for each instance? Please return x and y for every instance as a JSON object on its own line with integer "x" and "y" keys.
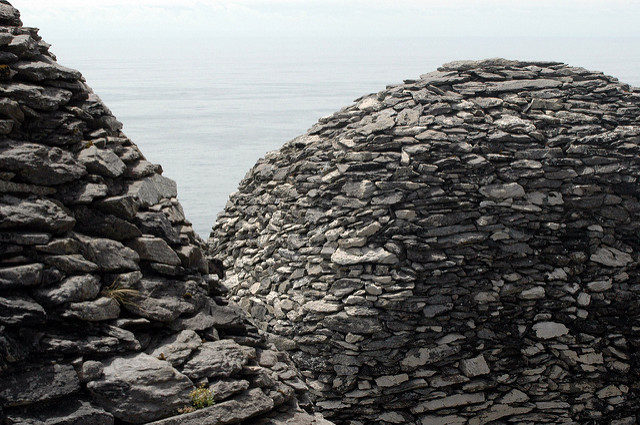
{"x": 20, "y": 310}
{"x": 157, "y": 224}
{"x": 40, "y": 165}
{"x": 153, "y": 189}
{"x": 37, "y": 214}
{"x": 611, "y": 257}
{"x": 103, "y": 308}
{"x": 108, "y": 254}
{"x": 44, "y": 383}
{"x": 94, "y": 222}
{"x": 474, "y": 367}
{"x": 355, "y": 256}
{"x": 21, "y": 276}
{"x": 502, "y": 191}
{"x": 68, "y": 413}
{"x": 176, "y": 349}
{"x": 140, "y": 388}
{"x": 156, "y": 250}
{"x": 72, "y": 289}
{"x": 101, "y": 161}
{"x": 161, "y": 299}
{"x": 547, "y": 330}
{"x": 218, "y": 359}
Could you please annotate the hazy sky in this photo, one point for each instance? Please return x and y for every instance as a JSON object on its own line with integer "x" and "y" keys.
{"x": 184, "y": 18}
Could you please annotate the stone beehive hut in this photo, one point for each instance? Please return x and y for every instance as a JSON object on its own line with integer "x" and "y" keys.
{"x": 462, "y": 249}
{"x": 108, "y": 312}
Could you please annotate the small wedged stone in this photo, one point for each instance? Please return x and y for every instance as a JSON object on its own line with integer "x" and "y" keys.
{"x": 192, "y": 258}
{"x": 101, "y": 161}
{"x": 152, "y": 190}
{"x": 503, "y": 191}
{"x": 474, "y": 367}
{"x": 124, "y": 206}
{"x": 176, "y": 349}
{"x": 157, "y": 224}
{"x": 156, "y": 250}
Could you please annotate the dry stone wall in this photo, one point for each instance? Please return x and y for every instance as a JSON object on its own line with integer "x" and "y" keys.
{"x": 109, "y": 311}
{"x": 461, "y": 248}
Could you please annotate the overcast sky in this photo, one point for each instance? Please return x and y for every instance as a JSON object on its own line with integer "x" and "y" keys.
{"x": 420, "y": 18}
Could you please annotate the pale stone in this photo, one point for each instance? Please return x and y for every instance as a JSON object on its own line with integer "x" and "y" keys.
{"x": 548, "y": 330}
{"x": 391, "y": 380}
{"x": 474, "y": 367}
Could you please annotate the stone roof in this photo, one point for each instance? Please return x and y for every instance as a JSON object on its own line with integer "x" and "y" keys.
{"x": 461, "y": 248}
{"x": 108, "y": 308}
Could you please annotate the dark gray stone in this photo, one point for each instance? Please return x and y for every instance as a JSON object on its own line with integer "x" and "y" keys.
{"x": 36, "y": 214}
{"x": 21, "y": 276}
{"x": 37, "y": 384}
{"x": 65, "y": 413}
{"x": 40, "y": 165}
{"x": 140, "y": 388}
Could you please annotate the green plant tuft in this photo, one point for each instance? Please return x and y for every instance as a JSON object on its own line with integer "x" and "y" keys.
{"x": 202, "y": 397}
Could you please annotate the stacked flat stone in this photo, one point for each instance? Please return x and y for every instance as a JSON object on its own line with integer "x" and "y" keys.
{"x": 461, "y": 248}
{"x": 109, "y": 311}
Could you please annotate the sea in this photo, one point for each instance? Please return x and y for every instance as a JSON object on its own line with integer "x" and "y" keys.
{"x": 208, "y": 109}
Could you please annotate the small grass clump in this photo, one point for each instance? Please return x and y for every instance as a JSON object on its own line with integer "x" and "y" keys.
{"x": 124, "y": 296}
{"x": 201, "y": 397}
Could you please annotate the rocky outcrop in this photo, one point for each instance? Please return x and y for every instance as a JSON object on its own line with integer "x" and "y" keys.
{"x": 461, "y": 248}
{"x": 108, "y": 311}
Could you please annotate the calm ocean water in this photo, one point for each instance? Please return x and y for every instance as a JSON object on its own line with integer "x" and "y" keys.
{"x": 207, "y": 109}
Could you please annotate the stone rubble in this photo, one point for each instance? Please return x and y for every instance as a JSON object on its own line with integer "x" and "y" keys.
{"x": 460, "y": 248}
{"x": 109, "y": 310}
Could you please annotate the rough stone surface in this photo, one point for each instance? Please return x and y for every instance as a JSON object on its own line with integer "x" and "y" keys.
{"x": 105, "y": 293}
{"x": 154, "y": 389}
{"x": 435, "y": 247}
{"x": 67, "y": 413}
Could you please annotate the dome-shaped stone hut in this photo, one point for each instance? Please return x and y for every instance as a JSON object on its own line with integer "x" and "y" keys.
{"x": 462, "y": 248}
{"x": 109, "y": 311}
